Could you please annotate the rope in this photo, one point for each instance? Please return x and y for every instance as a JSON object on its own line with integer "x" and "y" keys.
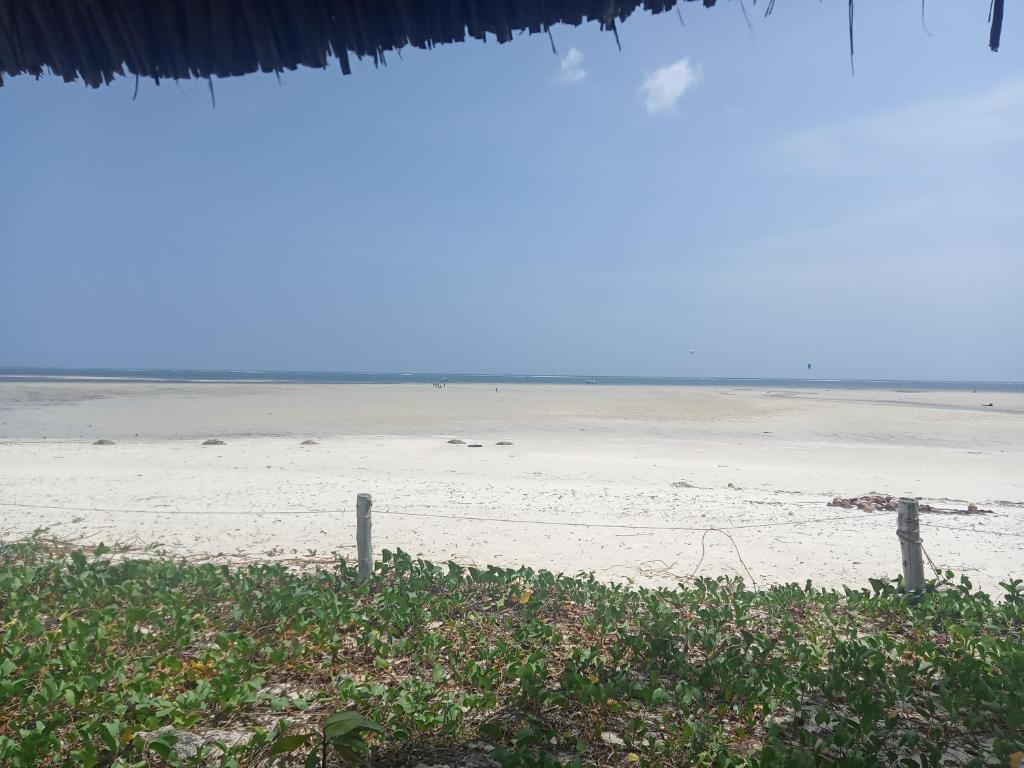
{"x": 650, "y": 568}
{"x": 931, "y": 562}
{"x": 559, "y": 523}
{"x": 163, "y": 511}
{"x": 903, "y": 536}
{"x": 567, "y": 524}
{"x": 511, "y": 521}
{"x": 974, "y": 530}
{"x": 738, "y": 555}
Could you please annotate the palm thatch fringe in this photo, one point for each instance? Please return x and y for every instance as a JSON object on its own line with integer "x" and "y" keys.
{"x": 96, "y": 40}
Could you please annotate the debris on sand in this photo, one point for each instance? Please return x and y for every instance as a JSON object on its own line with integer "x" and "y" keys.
{"x": 683, "y": 484}
{"x": 309, "y": 442}
{"x": 504, "y": 442}
{"x": 474, "y": 445}
{"x": 881, "y": 502}
{"x": 213, "y": 441}
{"x": 456, "y": 441}
{"x": 103, "y": 441}
{"x": 869, "y": 502}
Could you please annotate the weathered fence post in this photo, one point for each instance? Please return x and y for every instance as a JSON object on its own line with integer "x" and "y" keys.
{"x": 364, "y": 541}
{"x": 908, "y": 528}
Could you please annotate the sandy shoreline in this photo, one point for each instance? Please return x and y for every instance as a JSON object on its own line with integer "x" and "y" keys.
{"x": 583, "y": 456}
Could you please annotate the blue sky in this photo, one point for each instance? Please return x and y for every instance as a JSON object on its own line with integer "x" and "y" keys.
{"x": 486, "y": 208}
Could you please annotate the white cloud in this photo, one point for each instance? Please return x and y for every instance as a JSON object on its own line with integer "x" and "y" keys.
{"x": 980, "y": 131}
{"x": 571, "y": 70}
{"x": 663, "y": 87}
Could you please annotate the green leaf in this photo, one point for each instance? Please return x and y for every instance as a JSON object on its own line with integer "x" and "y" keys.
{"x": 289, "y": 743}
{"x": 111, "y": 735}
{"x": 164, "y": 745}
{"x": 88, "y": 757}
{"x": 340, "y": 724}
{"x": 349, "y": 751}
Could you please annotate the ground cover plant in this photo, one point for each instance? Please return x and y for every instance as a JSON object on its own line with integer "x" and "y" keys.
{"x": 109, "y": 660}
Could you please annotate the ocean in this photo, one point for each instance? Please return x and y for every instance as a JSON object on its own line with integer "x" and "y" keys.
{"x": 331, "y": 377}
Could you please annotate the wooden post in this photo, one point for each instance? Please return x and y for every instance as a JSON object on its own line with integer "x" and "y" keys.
{"x": 363, "y": 538}
{"x": 908, "y": 529}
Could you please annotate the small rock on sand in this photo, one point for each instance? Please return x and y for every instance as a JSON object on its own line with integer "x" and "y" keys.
{"x": 213, "y": 441}
{"x": 475, "y": 445}
{"x": 103, "y": 441}
{"x": 456, "y": 441}
{"x": 682, "y": 484}
{"x": 309, "y": 442}
{"x": 504, "y": 442}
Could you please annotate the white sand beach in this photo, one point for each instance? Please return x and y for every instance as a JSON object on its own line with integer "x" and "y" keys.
{"x": 760, "y": 464}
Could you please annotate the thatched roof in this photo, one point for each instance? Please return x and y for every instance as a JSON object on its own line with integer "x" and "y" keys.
{"x": 97, "y": 39}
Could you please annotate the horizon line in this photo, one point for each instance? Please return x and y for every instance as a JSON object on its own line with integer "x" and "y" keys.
{"x": 28, "y": 371}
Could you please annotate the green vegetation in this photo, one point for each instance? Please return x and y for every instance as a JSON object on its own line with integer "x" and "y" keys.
{"x": 109, "y": 661}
